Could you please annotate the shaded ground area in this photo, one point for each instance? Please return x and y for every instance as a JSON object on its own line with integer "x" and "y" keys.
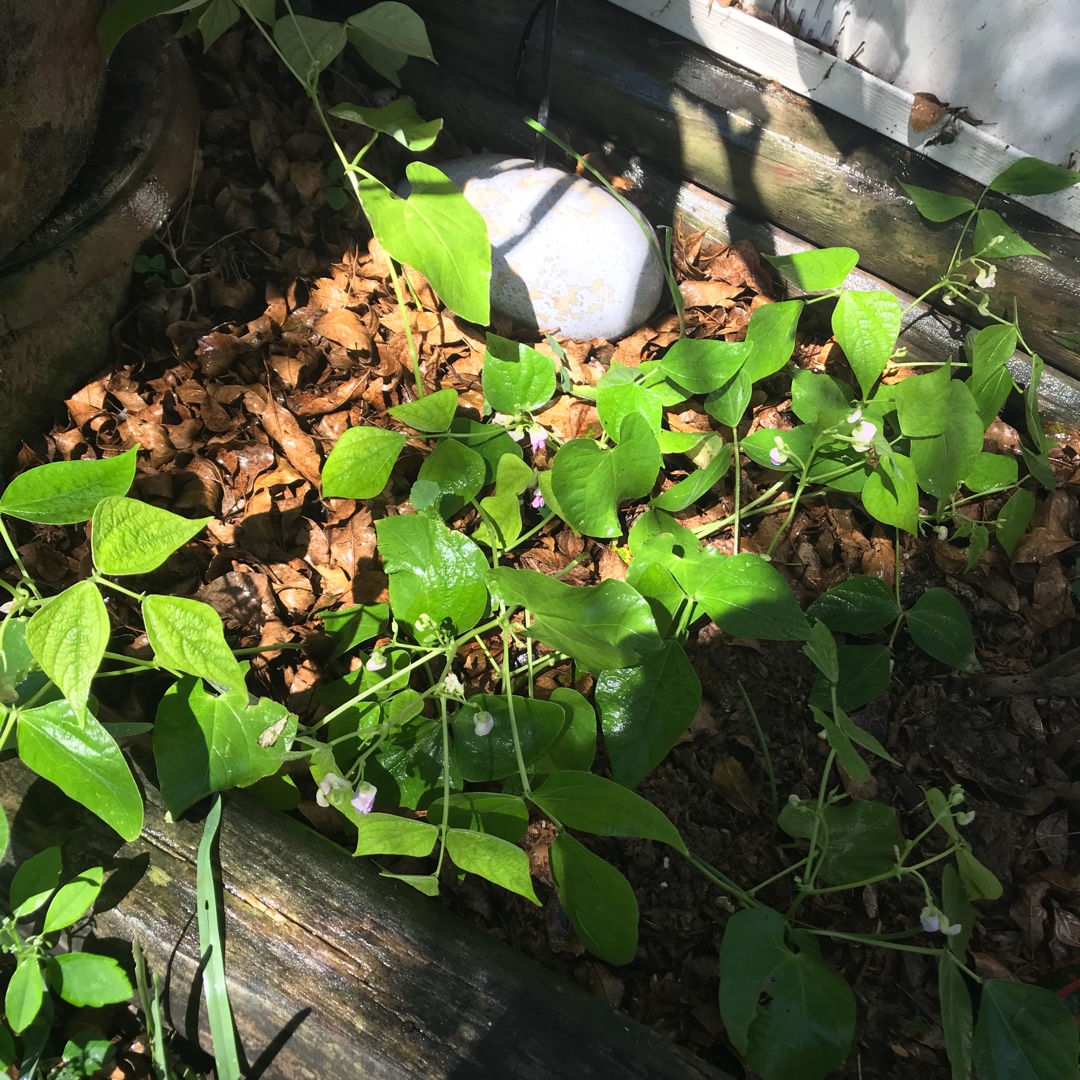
{"x": 268, "y": 328}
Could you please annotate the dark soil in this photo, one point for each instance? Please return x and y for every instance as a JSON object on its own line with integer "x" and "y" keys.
{"x": 236, "y": 386}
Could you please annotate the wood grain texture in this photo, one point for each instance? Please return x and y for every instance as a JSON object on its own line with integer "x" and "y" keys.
{"x": 332, "y": 970}
{"x": 809, "y": 170}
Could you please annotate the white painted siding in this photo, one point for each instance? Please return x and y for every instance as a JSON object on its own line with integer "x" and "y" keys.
{"x": 1015, "y": 64}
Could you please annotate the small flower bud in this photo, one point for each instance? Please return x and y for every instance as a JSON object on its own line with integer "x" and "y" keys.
{"x": 966, "y": 818}
{"x": 364, "y": 799}
{"x": 329, "y": 783}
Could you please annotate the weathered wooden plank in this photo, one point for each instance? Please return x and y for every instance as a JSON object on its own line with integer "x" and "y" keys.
{"x": 812, "y": 172}
{"x": 332, "y": 970}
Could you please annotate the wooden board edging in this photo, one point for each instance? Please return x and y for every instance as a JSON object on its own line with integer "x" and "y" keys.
{"x": 333, "y": 972}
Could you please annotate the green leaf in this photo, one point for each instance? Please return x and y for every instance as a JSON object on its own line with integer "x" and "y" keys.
{"x": 804, "y": 1031}
{"x": 438, "y": 232}
{"x": 490, "y": 441}
{"x": 1031, "y": 176}
{"x": 187, "y": 636}
{"x": 866, "y": 325}
{"x": 942, "y": 461}
{"x": 991, "y": 381}
{"x": 957, "y": 1020}
{"x": 497, "y": 860}
{"x": 589, "y": 483}
{"x": 66, "y": 492}
{"x": 601, "y": 626}
{"x": 819, "y": 397}
{"x": 399, "y": 120}
{"x": 702, "y": 365}
{"x": 516, "y": 378}
{"x": 816, "y": 270}
{"x": 457, "y": 472}
{"x": 936, "y": 205}
{"x": 5, "y": 833}
{"x": 73, "y": 900}
{"x": 644, "y": 710}
{"x": 864, "y": 674}
{"x": 124, "y": 15}
{"x": 502, "y": 521}
{"x": 205, "y": 743}
{"x": 891, "y": 493}
{"x": 68, "y": 637}
{"x": 34, "y": 882}
{"x": 216, "y": 18}
{"x": 922, "y": 402}
{"x": 728, "y": 403}
{"x": 387, "y": 62}
{"x": 862, "y": 838}
{"x": 25, "y": 992}
{"x": 840, "y": 741}
{"x": 361, "y": 462}
{"x": 1031, "y": 406}
{"x": 396, "y": 27}
{"x": 770, "y": 338}
{"x": 993, "y": 239}
{"x": 939, "y": 626}
{"x": 352, "y": 626}
{"x": 16, "y": 660}
{"x": 696, "y": 486}
{"x": 615, "y": 403}
{"x": 1023, "y": 1033}
{"x": 860, "y": 605}
{"x": 84, "y": 761}
{"x": 89, "y": 979}
{"x": 582, "y": 800}
{"x": 8, "y": 1053}
{"x": 132, "y": 537}
{"x": 432, "y": 412}
{"x": 308, "y": 46}
{"x": 575, "y": 745}
{"x": 387, "y": 834}
{"x": 597, "y": 899}
{"x": 492, "y": 757}
{"x": 744, "y": 595}
{"x": 433, "y": 571}
{"x": 979, "y": 883}
{"x": 505, "y": 816}
{"x": 1013, "y": 519}
{"x": 1038, "y": 465}
{"x": 991, "y": 472}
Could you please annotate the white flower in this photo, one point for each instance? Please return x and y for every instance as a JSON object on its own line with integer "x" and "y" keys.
{"x": 942, "y": 532}
{"x": 483, "y": 722}
{"x": 780, "y": 452}
{"x": 331, "y": 782}
{"x": 364, "y": 799}
{"x": 985, "y": 277}
{"x": 862, "y": 435}
{"x": 855, "y": 416}
{"x": 376, "y": 661}
{"x": 452, "y": 685}
{"x": 424, "y": 623}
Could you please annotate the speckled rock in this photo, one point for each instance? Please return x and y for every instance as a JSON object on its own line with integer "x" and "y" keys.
{"x": 567, "y": 256}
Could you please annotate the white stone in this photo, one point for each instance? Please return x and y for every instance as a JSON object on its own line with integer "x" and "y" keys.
{"x": 567, "y": 256}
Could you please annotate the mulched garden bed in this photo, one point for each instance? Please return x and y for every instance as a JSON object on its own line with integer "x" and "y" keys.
{"x": 284, "y": 333}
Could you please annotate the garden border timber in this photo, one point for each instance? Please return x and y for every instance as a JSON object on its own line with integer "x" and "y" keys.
{"x": 812, "y": 172}
{"x": 332, "y": 971}
{"x": 482, "y": 116}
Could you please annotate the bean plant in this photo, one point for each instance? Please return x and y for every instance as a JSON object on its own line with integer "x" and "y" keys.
{"x": 421, "y": 763}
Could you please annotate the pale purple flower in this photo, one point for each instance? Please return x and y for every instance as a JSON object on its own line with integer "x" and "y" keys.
{"x": 862, "y": 435}
{"x": 364, "y": 799}
{"x": 483, "y": 722}
{"x": 537, "y": 500}
{"x": 930, "y": 919}
{"x": 537, "y": 438}
{"x": 331, "y": 782}
{"x": 779, "y": 454}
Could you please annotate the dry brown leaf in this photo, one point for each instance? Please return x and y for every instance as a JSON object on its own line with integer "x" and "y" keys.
{"x": 697, "y": 294}
{"x": 346, "y": 328}
{"x": 926, "y": 110}
{"x": 281, "y": 426}
{"x": 730, "y": 777}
